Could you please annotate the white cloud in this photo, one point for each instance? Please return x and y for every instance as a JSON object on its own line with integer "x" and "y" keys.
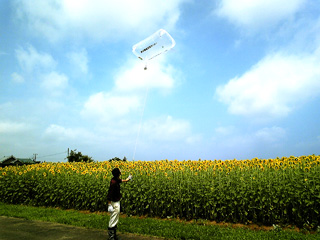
{"x": 167, "y": 129}
{"x": 272, "y": 134}
{"x": 54, "y": 83}
{"x": 255, "y": 14}
{"x": 61, "y": 133}
{"x": 228, "y": 130}
{"x": 13, "y": 127}
{"x": 105, "y": 106}
{"x": 264, "y": 142}
{"x": 79, "y": 60}
{"x": 97, "y": 19}
{"x": 157, "y": 76}
{"x": 31, "y": 60}
{"x": 273, "y": 86}
{"x": 126, "y": 96}
{"x": 17, "y": 78}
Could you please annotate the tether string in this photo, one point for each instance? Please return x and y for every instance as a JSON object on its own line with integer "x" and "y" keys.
{"x": 138, "y": 134}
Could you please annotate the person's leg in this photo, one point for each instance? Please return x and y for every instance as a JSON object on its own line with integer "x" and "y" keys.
{"x": 114, "y": 219}
{"x": 116, "y": 237}
{"x": 111, "y": 234}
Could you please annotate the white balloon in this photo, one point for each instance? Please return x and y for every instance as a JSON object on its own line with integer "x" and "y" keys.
{"x": 154, "y": 45}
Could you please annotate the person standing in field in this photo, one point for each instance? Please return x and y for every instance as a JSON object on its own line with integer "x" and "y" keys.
{"x": 114, "y": 196}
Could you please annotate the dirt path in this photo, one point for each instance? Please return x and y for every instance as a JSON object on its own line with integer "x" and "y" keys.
{"x": 18, "y": 228}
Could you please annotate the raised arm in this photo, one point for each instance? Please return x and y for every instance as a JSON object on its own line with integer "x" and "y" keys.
{"x": 128, "y": 178}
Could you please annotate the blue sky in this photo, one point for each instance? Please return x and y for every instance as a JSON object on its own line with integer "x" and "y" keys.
{"x": 242, "y": 81}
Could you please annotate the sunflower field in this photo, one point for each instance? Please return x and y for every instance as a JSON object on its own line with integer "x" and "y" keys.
{"x": 262, "y": 191}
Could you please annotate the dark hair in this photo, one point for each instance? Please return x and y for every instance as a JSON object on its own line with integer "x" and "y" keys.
{"x": 116, "y": 172}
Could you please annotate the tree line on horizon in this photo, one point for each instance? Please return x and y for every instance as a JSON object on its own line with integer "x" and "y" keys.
{"x": 75, "y": 156}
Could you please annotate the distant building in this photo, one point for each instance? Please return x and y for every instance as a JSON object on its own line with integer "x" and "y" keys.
{"x": 14, "y": 161}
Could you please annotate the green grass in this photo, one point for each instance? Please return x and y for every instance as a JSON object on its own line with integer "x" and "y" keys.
{"x": 169, "y": 229}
